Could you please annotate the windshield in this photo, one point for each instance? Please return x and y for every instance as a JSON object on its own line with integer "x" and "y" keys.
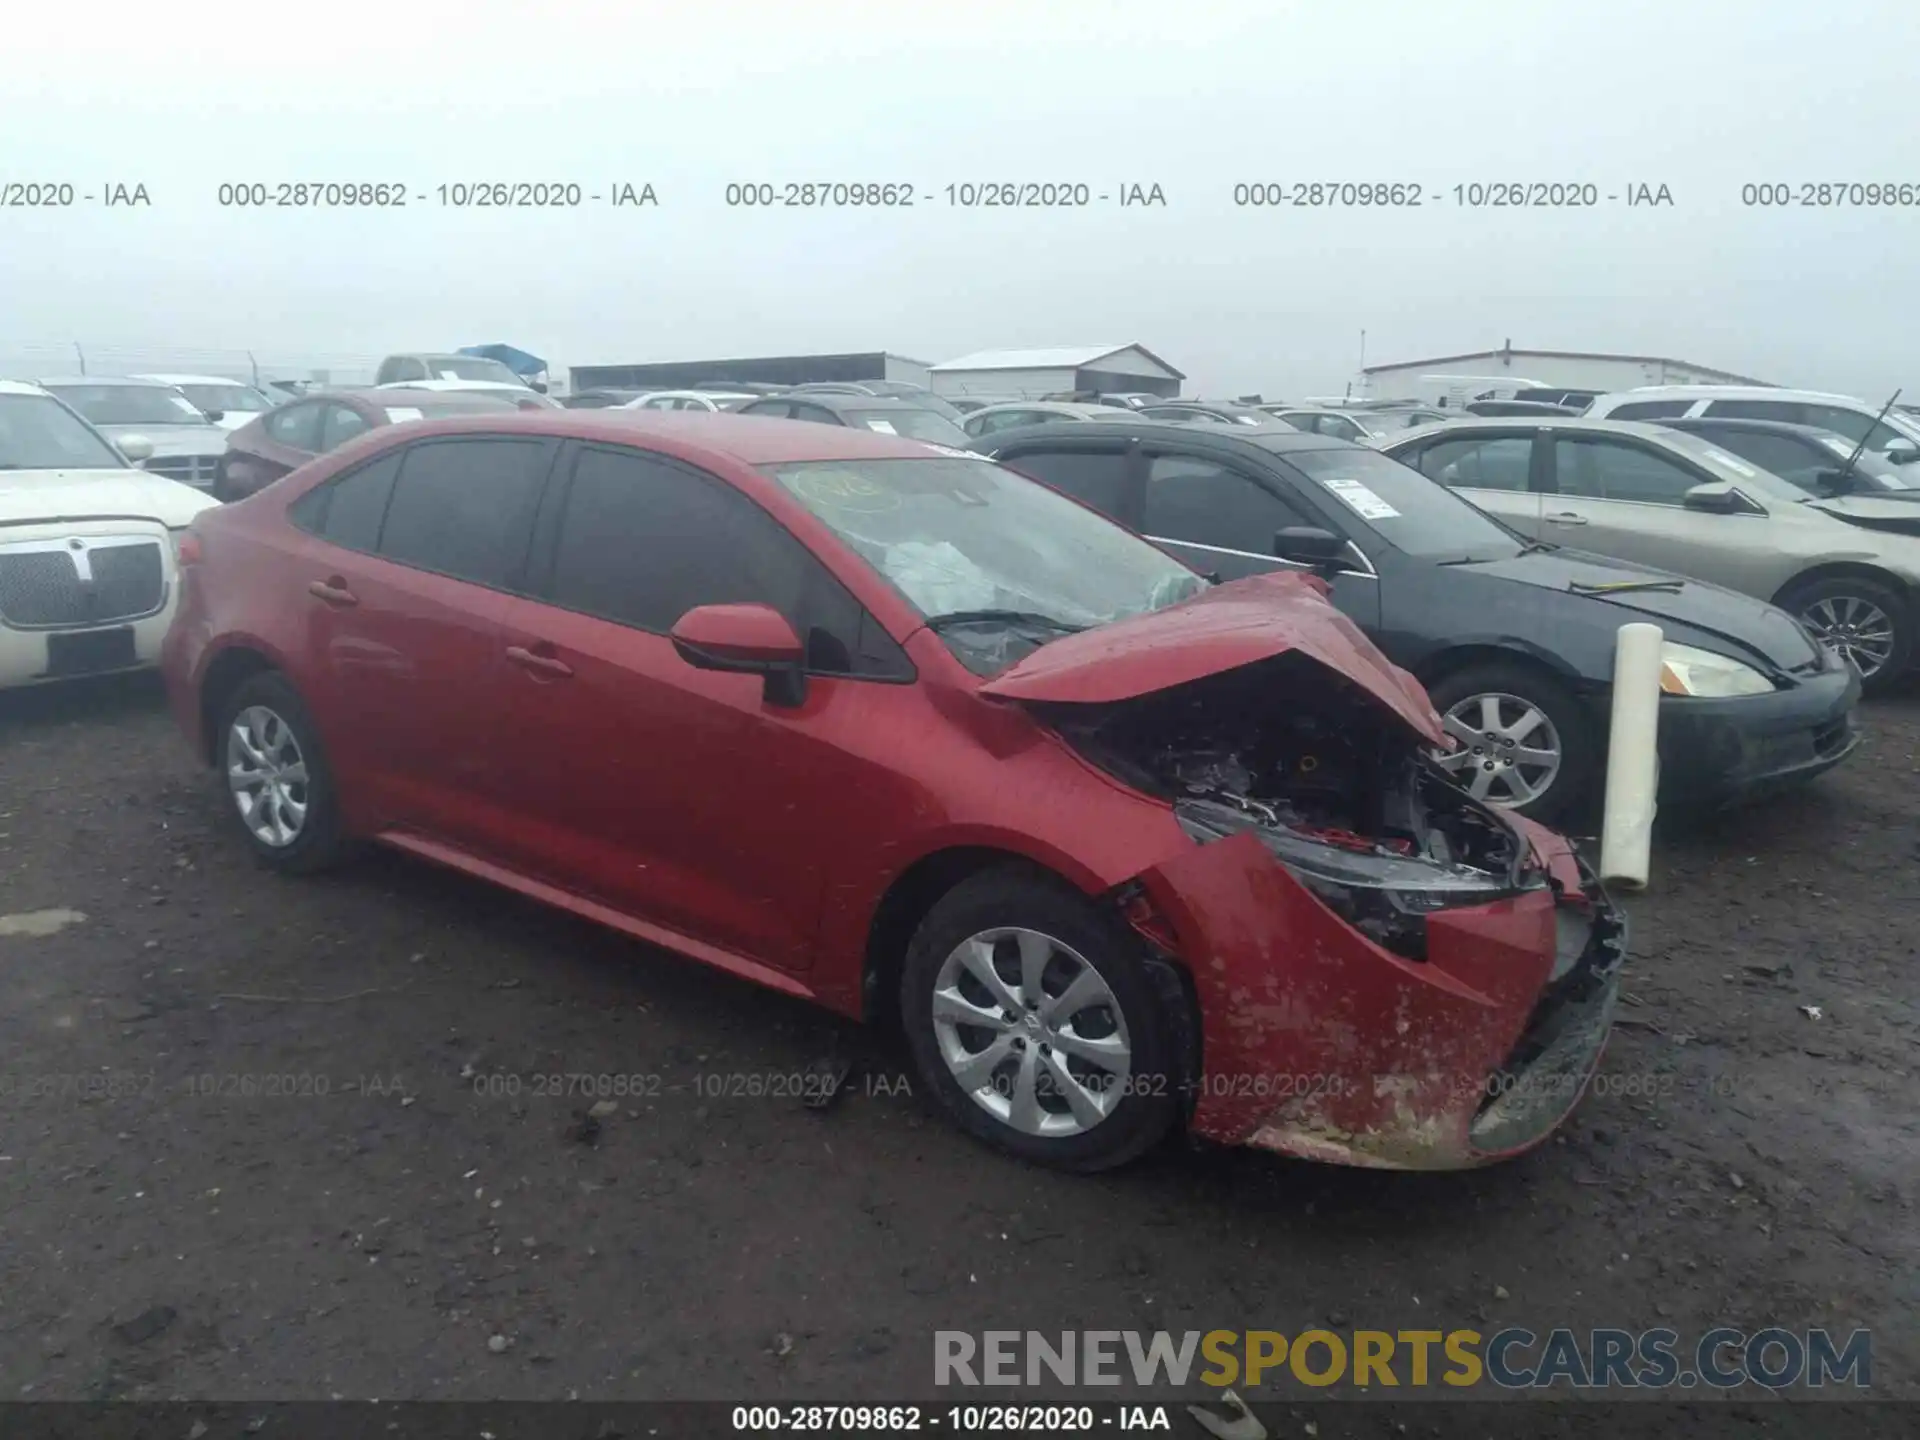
{"x": 469, "y": 367}
{"x": 130, "y": 404}
{"x": 227, "y": 399}
{"x": 914, "y": 424}
{"x": 1403, "y": 507}
{"x": 37, "y": 433}
{"x": 955, "y": 536}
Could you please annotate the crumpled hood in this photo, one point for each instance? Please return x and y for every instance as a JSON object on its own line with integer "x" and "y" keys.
{"x": 1223, "y": 628}
{"x": 35, "y": 496}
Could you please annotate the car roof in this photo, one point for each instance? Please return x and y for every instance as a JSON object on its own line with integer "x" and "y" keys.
{"x": 1738, "y": 422}
{"x": 194, "y": 380}
{"x": 746, "y": 439}
{"x": 1728, "y": 392}
{"x": 143, "y": 382}
{"x": 1645, "y": 429}
{"x": 829, "y": 400}
{"x": 1274, "y": 439}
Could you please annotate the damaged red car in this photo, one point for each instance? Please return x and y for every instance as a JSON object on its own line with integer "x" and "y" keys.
{"x": 897, "y": 730}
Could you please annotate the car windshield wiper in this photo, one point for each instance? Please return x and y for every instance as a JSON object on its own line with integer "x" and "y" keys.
{"x": 1537, "y": 547}
{"x": 1623, "y": 587}
{"x": 1029, "y": 618}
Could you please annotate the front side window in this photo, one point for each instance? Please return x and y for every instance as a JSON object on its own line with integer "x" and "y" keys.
{"x": 643, "y": 540}
{"x": 1476, "y": 462}
{"x": 1610, "y": 470}
{"x": 1341, "y": 428}
{"x": 131, "y": 404}
{"x": 39, "y": 433}
{"x": 997, "y": 563}
{"x": 464, "y": 507}
{"x": 1202, "y": 502}
{"x": 1853, "y": 425}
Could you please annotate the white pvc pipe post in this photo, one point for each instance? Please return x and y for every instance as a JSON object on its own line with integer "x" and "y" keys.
{"x": 1633, "y": 765}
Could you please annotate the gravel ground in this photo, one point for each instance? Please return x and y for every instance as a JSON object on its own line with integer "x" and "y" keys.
{"x": 412, "y": 1192}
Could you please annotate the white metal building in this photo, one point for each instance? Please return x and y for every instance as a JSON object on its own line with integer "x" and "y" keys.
{"x": 1028, "y": 374}
{"x": 1567, "y": 369}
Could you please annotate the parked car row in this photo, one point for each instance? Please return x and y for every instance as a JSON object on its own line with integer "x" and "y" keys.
{"x": 1047, "y": 731}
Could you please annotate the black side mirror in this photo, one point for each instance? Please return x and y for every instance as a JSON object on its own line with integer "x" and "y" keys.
{"x": 1837, "y": 481}
{"x": 215, "y": 415}
{"x": 1310, "y": 545}
{"x": 539, "y": 385}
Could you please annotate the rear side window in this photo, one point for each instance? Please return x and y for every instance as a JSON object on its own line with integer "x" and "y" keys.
{"x": 297, "y": 426}
{"x": 341, "y": 424}
{"x": 464, "y": 508}
{"x": 1093, "y": 477}
{"x": 1478, "y": 462}
{"x": 348, "y": 511}
{"x": 1656, "y": 409}
{"x": 773, "y": 409}
{"x": 642, "y": 541}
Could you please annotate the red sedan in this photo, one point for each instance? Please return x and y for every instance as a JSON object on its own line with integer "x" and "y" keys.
{"x": 900, "y": 731}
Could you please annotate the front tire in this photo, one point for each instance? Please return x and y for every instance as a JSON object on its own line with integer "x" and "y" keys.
{"x": 1867, "y": 622}
{"x": 1033, "y": 1024}
{"x": 277, "y": 778}
{"x": 1526, "y": 744}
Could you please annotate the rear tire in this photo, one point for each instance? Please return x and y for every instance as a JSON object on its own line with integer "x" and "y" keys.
{"x": 1071, "y": 1063}
{"x": 1869, "y": 622}
{"x": 1490, "y": 704}
{"x": 277, "y": 779}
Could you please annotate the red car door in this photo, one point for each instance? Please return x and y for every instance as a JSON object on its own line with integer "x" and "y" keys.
{"x": 403, "y": 585}
{"x": 686, "y": 798}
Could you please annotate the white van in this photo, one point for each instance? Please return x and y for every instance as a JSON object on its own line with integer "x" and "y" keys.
{"x": 1897, "y": 436}
{"x": 1450, "y": 392}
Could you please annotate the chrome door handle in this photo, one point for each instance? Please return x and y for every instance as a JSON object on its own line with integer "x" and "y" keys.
{"x": 1566, "y": 517}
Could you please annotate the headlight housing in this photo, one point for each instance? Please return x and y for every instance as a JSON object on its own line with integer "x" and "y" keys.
{"x": 1385, "y": 897}
{"x": 1705, "y": 675}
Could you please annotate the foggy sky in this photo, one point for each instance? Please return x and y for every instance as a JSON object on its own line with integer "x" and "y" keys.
{"x": 1700, "y": 95}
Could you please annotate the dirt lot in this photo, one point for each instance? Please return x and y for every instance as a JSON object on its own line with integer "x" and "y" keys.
{"x": 368, "y": 1234}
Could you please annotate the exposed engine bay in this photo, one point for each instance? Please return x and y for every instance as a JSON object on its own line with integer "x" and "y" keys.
{"x": 1338, "y": 788}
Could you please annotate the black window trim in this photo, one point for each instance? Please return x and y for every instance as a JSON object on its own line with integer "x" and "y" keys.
{"x": 516, "y": 578}
{"x": 544, "y": 548}
{"x": 1292, "y": 488}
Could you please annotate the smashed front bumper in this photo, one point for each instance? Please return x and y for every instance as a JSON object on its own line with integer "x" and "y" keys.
{"x": 1317, "y": 1043}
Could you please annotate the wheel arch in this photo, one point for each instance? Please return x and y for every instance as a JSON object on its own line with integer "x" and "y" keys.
{"x": 908, "y": 898}
{"x": 1846, "y": 570}
{"x": 1435, "y": 667}
{"x": 225, "y": 673}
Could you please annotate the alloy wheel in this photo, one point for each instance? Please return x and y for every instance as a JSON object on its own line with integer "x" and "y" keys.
{"x": 1856, "y": 627}
{"x": 1031, "y": 1032}
{"x": 267, "y": 776}
{"x": 1509, "y": 752}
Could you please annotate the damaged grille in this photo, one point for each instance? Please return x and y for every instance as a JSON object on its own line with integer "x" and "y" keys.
{"x": 1548, "y": 1068}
